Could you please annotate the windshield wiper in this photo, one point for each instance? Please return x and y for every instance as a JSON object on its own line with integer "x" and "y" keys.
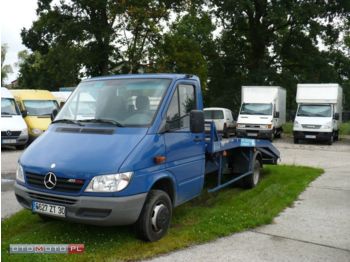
{"x": 68, "y": 121}
{"x": 104, "y": 121}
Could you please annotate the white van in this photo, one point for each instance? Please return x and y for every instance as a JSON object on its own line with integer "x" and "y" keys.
{"x": 14, "y": 130}
{"x": 263, "y": 112}
{"x": 61, "y": 96}
{"x": 223, "y": 119}
{"x": 319, "y": 112}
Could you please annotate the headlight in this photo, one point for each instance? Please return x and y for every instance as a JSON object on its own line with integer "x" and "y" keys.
{"x": 296, "y": 124}
{"x": 327, "y": 126}
{"x": 20, "y": 173}
{"x": 37, "y": 131}
{"x": 240, "y": 126}
{"x": 265, "y": 126}
{"x": 109, "y": 183}
{"x": 24, "y": 132}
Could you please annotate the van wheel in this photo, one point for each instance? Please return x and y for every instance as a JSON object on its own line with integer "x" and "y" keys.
{"x": 252, "y": 180}
{"x": 155, "y": 216}
{"x": 330, "y": 140}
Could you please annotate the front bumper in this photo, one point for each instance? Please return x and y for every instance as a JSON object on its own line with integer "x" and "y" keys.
{"x": 255, "y": 133}
{"x": 101, "y": 211}
{"x": 313, "y": 135}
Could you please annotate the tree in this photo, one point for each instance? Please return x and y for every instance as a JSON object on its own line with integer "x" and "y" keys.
{"x": 5, "y": 69}
{"x": 274, "y": 42}
{"x": 106, "y": 36}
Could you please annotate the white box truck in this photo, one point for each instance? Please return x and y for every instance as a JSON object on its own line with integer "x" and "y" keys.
{"x": 262, "y": 113}
{"x": 319, "y": 112}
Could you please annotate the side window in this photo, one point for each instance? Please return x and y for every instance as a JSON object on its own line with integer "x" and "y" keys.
{"x": 183, "y": 101}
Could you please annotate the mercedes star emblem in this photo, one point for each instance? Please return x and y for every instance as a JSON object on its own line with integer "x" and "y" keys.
{"x": 8, "y": 133}
{"x": 50, "y": 180}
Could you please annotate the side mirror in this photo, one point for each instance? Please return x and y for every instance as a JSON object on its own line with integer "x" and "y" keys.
{"x": 54, "y": 114}
{"x": 62, "y": 104}
{"x": 276, "y": 115}
{"x": 336, "y": 116}
{"x": 197, "y": 121}
{"x": 24, "y": 113}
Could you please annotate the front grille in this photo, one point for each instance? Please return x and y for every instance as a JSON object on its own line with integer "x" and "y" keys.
{"x": 52, "y": 199}
{"x": 62, "y": 185}
{"x": 10, "y": 134}
{"x": 311, "y": 126}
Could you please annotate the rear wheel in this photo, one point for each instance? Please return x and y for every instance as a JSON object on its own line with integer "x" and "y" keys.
{"x": 253, "y": 179}
{"x": 155, "y": 216}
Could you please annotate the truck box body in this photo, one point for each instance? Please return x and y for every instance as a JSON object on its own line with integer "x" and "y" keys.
{"x": 319, "y": 111}
{"x": 262, "y": 122}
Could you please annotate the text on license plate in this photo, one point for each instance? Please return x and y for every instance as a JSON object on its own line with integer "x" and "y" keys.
{"x": 49, "y": 209}
{"x": 252, "y": 134}
{"x": 310, "y": 136}
{"x": 8, "y": 141}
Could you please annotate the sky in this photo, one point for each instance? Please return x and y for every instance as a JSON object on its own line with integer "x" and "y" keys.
{"x": 15, "y": 14}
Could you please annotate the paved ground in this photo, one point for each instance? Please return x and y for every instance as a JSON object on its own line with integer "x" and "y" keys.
{"x": 9, "y": 205}
{"x": 317, "y": 228}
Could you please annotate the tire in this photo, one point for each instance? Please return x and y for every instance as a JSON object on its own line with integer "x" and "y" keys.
{"x": 155, "y": 216}
{"x": 330, "y": 140}
{"x": 296, "y": 140}
{"x": 336, "y": 138}
{"x": 252, "y": 180}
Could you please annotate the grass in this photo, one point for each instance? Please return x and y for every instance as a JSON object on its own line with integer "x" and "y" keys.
{"x": 344, "y": 128}
{"x": 206, "y": 218}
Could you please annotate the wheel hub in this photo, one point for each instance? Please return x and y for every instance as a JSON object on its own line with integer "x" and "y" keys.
{"x": 160, "y": 217}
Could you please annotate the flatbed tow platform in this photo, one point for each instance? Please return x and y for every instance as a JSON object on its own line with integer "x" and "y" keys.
{"x": 236, "y": 156}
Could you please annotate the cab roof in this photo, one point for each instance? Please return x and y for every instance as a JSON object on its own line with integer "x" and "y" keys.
{"x": 145, "y": 76}
{"x": 32, "y": 94}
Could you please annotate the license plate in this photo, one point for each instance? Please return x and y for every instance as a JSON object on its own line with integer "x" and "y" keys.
{"x": 49, "y": 209}
{"x": 252, "y": 134}
{"x": 8, "y": 141}
{"x": 310, "y": 136}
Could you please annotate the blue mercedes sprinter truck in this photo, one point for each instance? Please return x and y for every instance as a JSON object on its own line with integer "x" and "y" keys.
{"x": 127, "y": 150}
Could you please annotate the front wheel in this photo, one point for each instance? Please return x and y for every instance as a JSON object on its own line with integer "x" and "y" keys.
{"x": 155, "y": 216}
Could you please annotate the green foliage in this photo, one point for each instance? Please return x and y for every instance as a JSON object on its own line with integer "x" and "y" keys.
{"x": 5, "y": 69}
{"x": 203, "y": 219}
{"x": 226, "y": 43}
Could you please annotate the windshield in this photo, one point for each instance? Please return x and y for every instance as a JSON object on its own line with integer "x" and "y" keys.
{"x": 315, "y": 110}
{"x": 213, "y": 114}
{"x": 8, "y": 107}
{"x": 40, "y": 107}
{"x": 129, "y": 102}
{"x": 256, "y": 109}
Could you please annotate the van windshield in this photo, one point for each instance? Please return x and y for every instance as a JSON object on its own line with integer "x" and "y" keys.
{"x": 315, "y": 110}
{"x": 256, "y": 109}
{"x": 213, "y": 114}
{"x": 8, "y": 107}
{"x": 40, "y": 107}
{"x": 128, "y": 102}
